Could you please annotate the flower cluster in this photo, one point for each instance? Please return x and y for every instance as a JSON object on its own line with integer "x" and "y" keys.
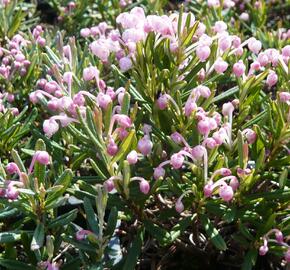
{"x": 279, "y": 239}
{"x": 12, "y": 57}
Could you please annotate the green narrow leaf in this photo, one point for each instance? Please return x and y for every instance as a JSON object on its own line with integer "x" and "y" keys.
{"x": 91, "y": 216}
{"x": 112, "y": 221}
{"x": 63, "y": 220}
{"x": 15, "y": 265}
{"x": 38, "y": 237}
{"x": 134, "y": 251}
{"x": 213, "y": 233}
{"x": 39, "y": 169}
{"x": 9, "y": 237}
{"x": 161, "y": 235}
{"x": 125, "y": 147}
{"x": 250, "y": 259}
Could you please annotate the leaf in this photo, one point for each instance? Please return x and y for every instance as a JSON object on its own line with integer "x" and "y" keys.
{"x": 213, "y": 233}
{"x": 63, "y": 220}
{"x": 64, "y": 181}
{"x": 79, "y": 244}
{"x": 161, "y": 235}
{"x": 134, "y": 251}
{"x": 91, "y": 216}
{"x": 8, "y": 212}
{"x": 242, "y": 163}
{"x": 18, "y": 160}
{"x": 125, "y": 147}
{"x": 9, "y": 237}
{"x": 38, "y": 237}
{"x": 112, "y": 221}
{"x": 180, "y": 227}
{"x": 282, "y": 179}
{"x": 225, "y": 94}
{"x": 15, "y": 265}
{"x": 250, "y": 259}
{"x": 39, "y": 169}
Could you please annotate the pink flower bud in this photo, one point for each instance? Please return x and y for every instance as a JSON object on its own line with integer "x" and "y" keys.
{"x": 53, "y": 104}
{"x": 64, "y": 103}
{"x": 263, "y": 59}
{"x": 58, "y": 93}
{"x": 112, "y": 147}
{"x": 203, "y": 126}
{"x": 41, "y": 83}
{"x": 145, "y": 145}
{"x": 273, "y": 56}
{"x": 225, "y": 171}
{"x": 85, "y": 32}
{"x": 12, "y": 192}
{"x": 255, "y": 66}
{"x": 228, "y": 109}
{"x": 33, "y": 97}
{"x": 198, "y": 152}
{"x": 122, "y": 133}
{"x": 284, "y": 96}
{"x": 109, "y": 185}
{"x": 220, "y": 66}
{"x": 204, "y": 91}
{"x": 144, "y": 186}
{"x": 207, "y": 190}
{"x": 200, "y": 29}
{"x": 50, "y": 127}
{"x": 286, "y": 51}
{"x": 254, "y": 45}
{"x": 51, "y": 87}
{"x": 234, "y": 183}
{"x": 79, "y": 99}
{"x": 159, "y": 172}
{"x": 179, "y": 207}
{"x": 110, "y": 92}
{"x": 103, "y": 100}
{"x": 10, "y": 97}
{"x": 42, "y": 157}
{"x": 202, "y": 52}
{"x": 244, "y": 16}
{"x": 190, "y": 106}
{"x": 23, "y": 71}
{"x": 41, "y": 41}
{"x": 100, "y": 49}
{"x": 236, "y": 41}
{"x": 210, "y": 143}
{"x": 81, "y": 234}
{"x": 123, "y": 120}
{"x": 177, "y": 160}
{"x": 250, "y": 135}
{"x": 125, "y": 64}
{"x": 225, "y": 43}
{"x": 279, "y": 236}
{"x": 90, "y": 73}
{"x": 162, "y": 102}
{"x": 220, "y": 27}
{"x": 67, "y": 77}
{"x": 287, "y": 255}
{"x": 12, "y": 168}
{"x": 201, "y": 75}
{"x": 239, "y": 51}
{"x": 239, "y": 68}
{"x": 226, "y": 192}
{"x": 132, "y": 157}
{"x": 272, "y": 78}
{"x": 176, "y": 137}
{"x": 263, "y": 250}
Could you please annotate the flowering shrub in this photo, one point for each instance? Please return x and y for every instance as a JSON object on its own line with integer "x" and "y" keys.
{"x": 155, "y": 136}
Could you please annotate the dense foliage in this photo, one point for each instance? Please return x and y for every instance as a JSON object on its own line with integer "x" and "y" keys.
{"x": 145, "y": 134}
